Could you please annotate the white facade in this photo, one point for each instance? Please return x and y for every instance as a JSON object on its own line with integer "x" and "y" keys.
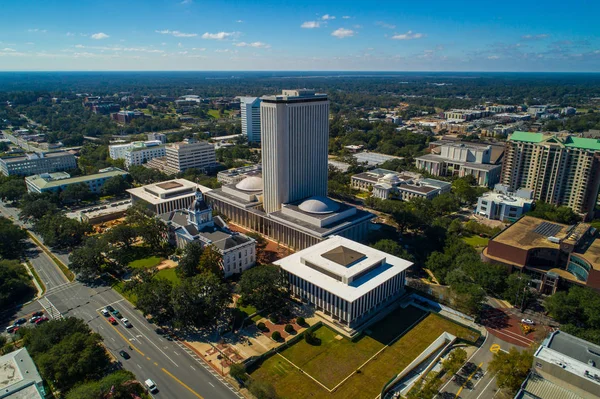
{"x": 503, "y": 204}
{"x": 139, "y": 156}
{"x": 295, "y": 138}
{"x": 167, "y": 196}
{"x": 347, "y": 282}
{"x": 250, "y": 110}
{"x": 37, "y": 163}
{"x": 190, "y": 154}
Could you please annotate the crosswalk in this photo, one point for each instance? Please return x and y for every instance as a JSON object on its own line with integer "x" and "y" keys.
{"x": 60, "y": 288}
{"x": 208, "y": 368}
{"x": 50, "y": 309}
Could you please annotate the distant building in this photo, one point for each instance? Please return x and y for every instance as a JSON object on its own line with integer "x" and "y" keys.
{"x": 20, "y": 378}
{"x": 501, "y": 108}
{"x": 552, "y": 253}
{"x": 236, "y": 175}
{"x": 190, "y": 154}
{"x": 167, "y": 196}
{"x": 157, "y": 137}
{"x": 561, "y": 170}
{"x": 127, "y": 116}
{"x": 348, "y": 283}
{"x": 58, "y": 181}
{"x": 462, "y": 159}
{"x": 38, "y": 162}
{"x": 568, "y": 111}
{"x": 373, "y": 158}
{"x": 466, "y": 114}
{"x": 503, "y": 204}
{"x": 564, "y": 366}
{"x": 138, "y": 152}
{"x": 197, "y": 224}
{"x": 250, "y": 111}
{"x": 387, "y": 184}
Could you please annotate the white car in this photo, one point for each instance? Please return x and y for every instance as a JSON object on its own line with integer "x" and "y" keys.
{"x": 105, "y": 312}
{"x": 528, "y": 321}
{"x": 151, "y": 386}
{"x": 126, "y": 322}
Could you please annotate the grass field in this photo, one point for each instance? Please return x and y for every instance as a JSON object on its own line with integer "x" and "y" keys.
{"x": 145, "y": 263}
{"x": 215, "y": 113}
{"x": 476, "y": 241}
{"x": 336, "y": 359}
{"x": 168, "y": 274}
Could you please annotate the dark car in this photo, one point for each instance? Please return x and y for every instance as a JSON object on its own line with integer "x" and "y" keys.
{"x": 38, "y": 314}
{"x": 116, "y": 313}
{"x": 110, "y": 308}
{"x": 20, "y": 321}
{"x": 160, "y": 331}
{"x": 124, "y": 355}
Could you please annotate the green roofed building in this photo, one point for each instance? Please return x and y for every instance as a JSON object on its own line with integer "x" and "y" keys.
{"x": 55, "y": 182}
{"x": 561, "y": 170}
{"x": 19, "y": 378}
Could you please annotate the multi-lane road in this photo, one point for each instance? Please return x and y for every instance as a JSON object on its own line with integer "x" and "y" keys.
{"x": 177, "y": 371}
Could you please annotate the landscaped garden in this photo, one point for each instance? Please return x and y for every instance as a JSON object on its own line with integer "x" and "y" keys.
{"x": 145, "y": 263}
{"x": 337, "y": 358}
{"x": 476, "y": 241}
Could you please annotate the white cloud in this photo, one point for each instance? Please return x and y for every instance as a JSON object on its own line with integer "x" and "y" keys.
{"x": 408, "y": 36}
{"x": 239, "y": 21}
{"x": 30, "y": 43}
{"x": 225, "y": 51}
{"x": 119, "y": 48}
{"x": 385, "y": 25}
{"x": 187, "y": 2}
{"x": 99, "y": 36}
{"x": 70, "y": 34}
{"x": 8, "y": 49}
{"x": 535, "y": 37}
{"x": 219, "y": 35}
{"x": 310, "y": 24}
{"x": 253, "y": 44}
{"x": 357, "y": 26}
{"x": 37, "y": 30}
{"x": 175, "y": 33}
{"x": 199, "y": 49}
{"x": 342, "y": 33}
{"x": 327, "y": 17}
{"x": 493, "y": 57}
{"x": 346, "y": 17}
{"x": 183, "y": 52}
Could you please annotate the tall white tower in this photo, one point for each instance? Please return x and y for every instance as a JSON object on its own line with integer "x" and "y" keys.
{"x": 250, "y": 110}
{"x": 295, "y": 137}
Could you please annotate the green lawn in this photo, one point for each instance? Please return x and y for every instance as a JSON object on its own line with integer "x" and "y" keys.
{"x": 169, "y": 274}
{"x": 145, "y": 263}
{"x": 335, "y": 359}
{"x": 248, "y": 309}
{"x": 215, "y": 113}
{"x": 476, "y": 241}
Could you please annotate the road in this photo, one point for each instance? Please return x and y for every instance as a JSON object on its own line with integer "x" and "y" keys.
{"x": 177, "y": 371}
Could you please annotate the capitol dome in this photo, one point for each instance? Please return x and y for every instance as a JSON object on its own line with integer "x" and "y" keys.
{"x": 390, "y": 178}
{"x": 319, "y": 205}
{"x": 252, "y": 183}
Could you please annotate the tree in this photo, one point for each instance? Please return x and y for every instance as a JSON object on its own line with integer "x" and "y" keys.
{"x": 153, "y": 232}
{"x": 578, "y": 311}
{"x": 464, "y": 191}
{"x": 517, "y": 290}
{"x": 75, "y": 193}
{"x": 123, "y": 233}
{"x": 445, "y": 204}
{"x": 189, "y": 261}
{"x": 59, "y": 231}
{"x": 561, "y": 214}
{"x": 118, "y": 385}
{"x": 276, "y": 335}
{"x": 511, "y": 368}
{"x": 311, "y": 338}
{"x": 88, "y": 261}
{"x": 262, "y": 390}
{"x": 154, "y": 298}
{"x": 12, "y": 239}
{"x": 261, "y": 246}
{"x": 238, "y": 371}
{"x": 12, "y": 190}
{"x": 35, "y": 210}
{"x": 289, "y": 328}
{"x": 116, "y": 185}
{"x": 15, "y": 283}
{"x": 393, "y": 248}
{"x": 200, "y": 301}
{"x": 263, "y": 287}
{"x": 211, "y": 261}
{"x": 455, "y": 361}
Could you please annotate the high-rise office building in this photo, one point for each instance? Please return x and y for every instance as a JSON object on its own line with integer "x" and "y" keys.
{"x": 190, "y": 154}
{"x": 250, "y": 110}
{"x": 295, "y": 138}
{"x": 560, "y": 170}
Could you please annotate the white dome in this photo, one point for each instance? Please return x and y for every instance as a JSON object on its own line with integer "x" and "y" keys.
{"x": 252, "y": 183}
{"x": 390, "y": 178}
{"x": 319, "y": 205}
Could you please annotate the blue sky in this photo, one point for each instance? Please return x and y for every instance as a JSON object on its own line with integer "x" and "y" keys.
{"x": 300, "y": 35}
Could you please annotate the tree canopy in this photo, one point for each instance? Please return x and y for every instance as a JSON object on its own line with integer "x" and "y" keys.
{"x": 15, "y": 284}
{"x": 263, "y": 287}
{"x": 511, "y": 368}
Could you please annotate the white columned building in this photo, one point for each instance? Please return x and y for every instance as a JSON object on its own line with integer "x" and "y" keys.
{"x": 295, "y": 138}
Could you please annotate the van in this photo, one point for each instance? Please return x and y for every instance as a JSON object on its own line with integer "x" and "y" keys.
{"x": 151, "y": 386}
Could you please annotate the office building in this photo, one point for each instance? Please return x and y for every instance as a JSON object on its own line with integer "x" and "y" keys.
{"x": 58, "y": 181}
{"x": 138, "y": 152}
{"x": 466, "y": 114}
{"x": 373, "y": 158}
{"x": 250, "y": 111}
{"x": 387, "y": 184}
{"x": 552, "y": 253}
{"x": 455, "y": 158}
{"x": 19, "y": 377}
{"x": 502, "y": 204}
{"x": 127, "y": 116}
{"x": 197, "y": 224}
{"x": 167, "y": 196}
{"x": 564, "y": 366}
{"x": 36, "y": 163}
{"x": 289, "y": 204}
{"x": 559, "y": 170}
{"x": 190, "y": 154}
{"x": 157, "y": 137}
{"x": 236, "y": 175}
{"x": 348, "y": 283}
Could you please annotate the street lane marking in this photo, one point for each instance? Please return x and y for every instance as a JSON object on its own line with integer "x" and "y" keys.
{"x": 147, "y": 358}
{"x": 183, "y": 384}
{"x": 495, "y": 348}
{"x": 211, "y": 384}
{"x": 467, "y": 381}
{"x": 485, "y": 387}
{"x": 110, "y": 304}
{"x": 156, "y": 364}
{"x": 122, "y": 336}
{"x": 138, "y": 365}
{"x": 193, "y": 368}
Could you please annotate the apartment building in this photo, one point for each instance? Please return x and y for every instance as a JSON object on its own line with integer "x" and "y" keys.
{"x": 559, "y": 170}
{"x": 138, "y": 152}
{"x": 37, "y": 163}
{"x": 190, "y": 154}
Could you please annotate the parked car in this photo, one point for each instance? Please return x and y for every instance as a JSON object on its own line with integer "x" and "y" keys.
{"x": 160, "y": 331}
{"x": 105, "y": 312}
{"x": 41, "y": 320}
{"x": 34, "y": 319}
{"x": 126, "y": 322}
{"x": 112, "y": 320}
{"x": 109, "y": 308}
{"x": 40, "y": 313}
{"x": 151, "y": 386}
{"x": 116, "y": 313}
{"x": 20, "y": 321}
{"x": 124, "y": 355}
{"x": 11, "y": 328}
{"x": 528, "y": 321}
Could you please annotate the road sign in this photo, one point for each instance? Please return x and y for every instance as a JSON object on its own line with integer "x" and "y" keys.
{"x": 495, "y": 348}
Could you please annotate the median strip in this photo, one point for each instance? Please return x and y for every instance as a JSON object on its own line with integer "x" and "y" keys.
{"x": 63, "y": 268}
{"x": 37, "y": 279}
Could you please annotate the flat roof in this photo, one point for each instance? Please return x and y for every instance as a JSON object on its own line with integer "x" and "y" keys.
{"x": 151, "y": 193}
{"x": 522, "y": 234}
{"x": 36, "y": 156}
{"x": 506, "y": 199}
{"x": 373, "y": 158}
{"x": 40, "y": 182}
{"x": 343, "y": 255}
{"x": 536, "y": 387}
{"x": 17, "y": 374}
{"x": 364, "y": 274}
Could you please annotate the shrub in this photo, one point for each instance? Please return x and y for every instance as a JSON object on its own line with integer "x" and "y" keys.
{"x": 238, "y": 371}
{"x": 289, "y": 328}
{"x": 300, "y": 321}
{"x": 276, "y": 335}
{"x": 273, "y": 318}
{"x": 311, "y": 338}
{"x": 261, "y": 326}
